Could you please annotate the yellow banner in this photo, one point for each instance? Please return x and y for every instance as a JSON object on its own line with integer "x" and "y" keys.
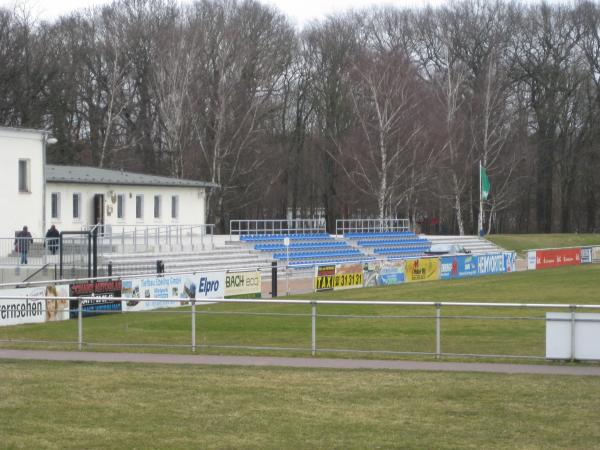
{"x": 423, "y": 269}
{"x": 343, "y": 276}
{"x": 348, "y": 276}
{"x": 324, "y": 278}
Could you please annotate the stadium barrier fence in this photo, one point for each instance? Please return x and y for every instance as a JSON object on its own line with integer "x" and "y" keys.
{"x": 31, "y": 308}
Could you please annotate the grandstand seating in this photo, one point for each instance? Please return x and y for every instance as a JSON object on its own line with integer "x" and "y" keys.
{"x": 306, "y": 249}
{"x": 316, "y": 237}
{"x": 322, "y": 248}
{"x": 391, "y": 245}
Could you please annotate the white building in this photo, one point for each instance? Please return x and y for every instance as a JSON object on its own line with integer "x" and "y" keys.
{"x": 72, "y": 198}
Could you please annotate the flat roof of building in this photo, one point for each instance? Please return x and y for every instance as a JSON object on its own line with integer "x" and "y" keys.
{"x": 94, "y": 175}
{"x": 25, "y": 130}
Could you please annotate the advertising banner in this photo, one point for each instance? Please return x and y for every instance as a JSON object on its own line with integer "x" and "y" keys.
{"x": 106, "y": 293}
{"x": 210, "y": 285}
{"x": 458, "y": 266}
{"x": 422, "y": 269}
{"x": 243, "y": 285}
{"x": 348, "y": 276}
{"x": 595, "y": 254}
{"x": 557, "y": 257}
{"x": 57, "y": 308}
{"x": 324, "y": 278}
{"x": 586, "y": 255}
{"x": 21, "y": 311}
{"x": 34, "y": 309}
{"x": 510, "y": 261}
{"x": 384, "y": 273}
{"x": 531, "y": 260}
{"x": 491, "y": 263}
{"x": 137, "y": 289}
{"x": 339, "y": 277}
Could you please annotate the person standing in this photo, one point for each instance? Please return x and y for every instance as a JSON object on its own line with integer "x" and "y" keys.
{"x": 52, "y": 236}
{"x": 22, "y": 242}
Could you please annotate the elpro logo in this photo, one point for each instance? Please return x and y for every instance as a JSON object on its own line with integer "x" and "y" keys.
{"x": 206, "y": 286}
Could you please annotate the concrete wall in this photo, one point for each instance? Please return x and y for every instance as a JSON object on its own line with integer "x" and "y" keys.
{"x": 21, "y": 208}
{"x": 192, "y": 205}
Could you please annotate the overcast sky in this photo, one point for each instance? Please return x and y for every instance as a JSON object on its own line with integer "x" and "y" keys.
{"x": 300, "y": 11}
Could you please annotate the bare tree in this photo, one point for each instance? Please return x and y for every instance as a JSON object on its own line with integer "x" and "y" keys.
{"x": 385, "y": 101}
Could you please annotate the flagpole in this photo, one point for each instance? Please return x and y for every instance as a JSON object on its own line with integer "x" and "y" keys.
{"x": 480, "y": 221}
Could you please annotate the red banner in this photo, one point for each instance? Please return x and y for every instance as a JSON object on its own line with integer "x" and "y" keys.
{"x": 557, "y": 257}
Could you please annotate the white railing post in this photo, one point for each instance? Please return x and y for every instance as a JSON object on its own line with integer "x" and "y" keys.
{"x": 79, "y": 325}
{"x": 193, "y": 325}
{"x": 438, "y": 331}
{"x": 573, "y": 333}
{"x": 314, "y": 328}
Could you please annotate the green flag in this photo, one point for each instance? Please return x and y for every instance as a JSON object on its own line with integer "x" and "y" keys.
{"x": 485, "y": 183}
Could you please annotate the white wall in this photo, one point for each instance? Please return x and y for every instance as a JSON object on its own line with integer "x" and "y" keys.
{"x": 21, "y": 208}
{"x": 192, "y": 204}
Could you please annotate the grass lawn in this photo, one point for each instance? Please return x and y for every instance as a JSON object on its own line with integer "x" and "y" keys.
{"x": 84, "y": 405}
{"x": 522, "y": 242}
{"x": 221, "y": 325}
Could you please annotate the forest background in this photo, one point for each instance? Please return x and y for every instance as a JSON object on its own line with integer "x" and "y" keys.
{"x": 383, "y": 112}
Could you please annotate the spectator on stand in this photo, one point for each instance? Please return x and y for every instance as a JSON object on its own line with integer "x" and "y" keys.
{"x": 52, "y": 240}
{"x": 22, "y": 242}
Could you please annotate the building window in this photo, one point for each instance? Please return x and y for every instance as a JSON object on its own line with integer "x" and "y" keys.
{"x": 77, "y": 206}
{"x": 175, "y": 207}
{"x": 157, "y": 206}
{"x": 55, "y": 205}
{"x": 24, "y": 176}
{"x": 139, "y": 206}
{"x": 120, "y": 206}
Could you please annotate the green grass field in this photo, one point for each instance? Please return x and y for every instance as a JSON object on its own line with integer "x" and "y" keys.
{"x": 522, "y": 242}
{"x": 83, "y": 405}
{"x": 86, "y": 405}
{"x": 222, "y": 325}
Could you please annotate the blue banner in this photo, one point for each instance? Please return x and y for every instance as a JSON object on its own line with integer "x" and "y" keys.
{"x": 492, "y": 263}
{"x": 586, "y": 255}
{"x": 458, "y": 266}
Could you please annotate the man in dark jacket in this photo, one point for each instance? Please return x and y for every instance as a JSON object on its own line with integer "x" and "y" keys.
{"x": 52, "y": 236}
{"x": 22, "y": 242}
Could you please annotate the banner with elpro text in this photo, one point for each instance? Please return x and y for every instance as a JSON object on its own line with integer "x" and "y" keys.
{"x": 199, "y": 286}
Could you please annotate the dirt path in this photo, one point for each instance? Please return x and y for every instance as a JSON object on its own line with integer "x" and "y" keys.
{"x": 330, "y": 363}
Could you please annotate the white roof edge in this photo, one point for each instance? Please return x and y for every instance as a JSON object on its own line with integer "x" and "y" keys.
{"x": 23, "y": 130}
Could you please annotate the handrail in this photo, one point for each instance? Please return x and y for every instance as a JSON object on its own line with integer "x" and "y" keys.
{"x": 33, "y": 275}
{"x": 433, "y": 303}
{"x": 277, "y": 226}
{"x": 343, "y": 226}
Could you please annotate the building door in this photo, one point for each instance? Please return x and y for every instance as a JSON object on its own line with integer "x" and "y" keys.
{"x": 98, "y": 209}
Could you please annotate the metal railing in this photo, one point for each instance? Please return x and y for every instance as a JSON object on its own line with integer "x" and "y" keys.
{"x": 436, "y": 317}
{"x": 343, "y": 226}
{"x": 157, "y": 238}
{"x": 277, "y": 226}
{"x": 41, "y": 251}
